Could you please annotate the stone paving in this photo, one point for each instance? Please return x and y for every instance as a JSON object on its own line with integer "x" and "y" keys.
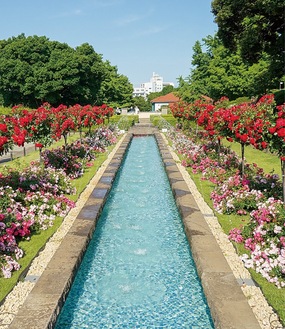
{"x": 229, "y": 306}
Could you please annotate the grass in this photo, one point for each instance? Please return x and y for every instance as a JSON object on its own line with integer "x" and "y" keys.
{"x": 268, "y": 161}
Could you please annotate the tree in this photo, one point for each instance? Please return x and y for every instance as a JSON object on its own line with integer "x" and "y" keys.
{"x": 34, "y": 70}
{"x": 143, "y": 104}
{"x": 92, "y": 71}
{"x": 116, "y": 89}
{"x": 254, "y": 27}
{"x": 165, "y": 90}
{"x": 220, "y": 72}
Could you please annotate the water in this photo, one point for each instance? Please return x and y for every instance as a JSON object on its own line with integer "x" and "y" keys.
{"x": 138, "y": 271}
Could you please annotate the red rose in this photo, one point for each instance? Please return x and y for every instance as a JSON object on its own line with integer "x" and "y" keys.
{"x": 272, "y": 130}
{"x": 281, "y": 132}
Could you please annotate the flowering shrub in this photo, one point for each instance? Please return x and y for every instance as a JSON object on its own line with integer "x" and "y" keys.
{"x": 241, "y": 194}
{"x": 256, "y": 193}
{"x": 264, "y": 237}
{"x": 235, "y": 195}
{"x": 269, "y": 184}
{"x": 37, "y": 177}
{"x": 101, "y": 138}
{"x": 44, "y": 207}
{"x": 30, "y": 200}
{"x": 60, "y": 158}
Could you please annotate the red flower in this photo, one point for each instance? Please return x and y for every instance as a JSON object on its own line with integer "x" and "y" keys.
{"x": 244, "y": 138}
{"x": 39, "y": 145}
{"x": 281, "y": 132}
{"x": 263, "y": 145}
{"x": 3, "y": 127}
{"x": 272, "y": 130}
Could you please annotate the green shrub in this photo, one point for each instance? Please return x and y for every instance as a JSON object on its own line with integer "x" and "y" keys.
{"x": 5, "y": 110}
{"x": 170, "y": 119}
{"x": 279, "y": 96}
{"x": 124, "y": 122}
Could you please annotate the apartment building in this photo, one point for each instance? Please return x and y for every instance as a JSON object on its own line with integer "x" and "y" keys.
{"x": 155, "y": 84}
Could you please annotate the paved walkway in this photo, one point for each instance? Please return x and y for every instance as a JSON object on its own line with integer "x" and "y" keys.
{"x": 18, "y": 151}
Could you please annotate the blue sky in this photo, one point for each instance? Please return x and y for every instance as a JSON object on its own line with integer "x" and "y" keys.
{"x": 138, "y": 36}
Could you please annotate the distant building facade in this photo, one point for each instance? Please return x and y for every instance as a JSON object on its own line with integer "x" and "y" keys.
{"x": 163, "y": 102}
{"x": 155, "y": 84}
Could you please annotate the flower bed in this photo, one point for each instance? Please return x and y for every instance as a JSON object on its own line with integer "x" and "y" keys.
{"x": 255, "y": 195}
{"x": 31, "y": 199}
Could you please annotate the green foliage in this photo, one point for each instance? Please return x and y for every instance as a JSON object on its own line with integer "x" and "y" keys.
{"x": 115, "y": 89}
{"x": 170, "y": 119}
{"x": 279, "y": 97}
{"x": 161, "y": 121}
{"x": 252, "y": 26}
{"x": 124, "y": 122}
{"x": 143, "y": 104}
{"x": 34, "y": 70}
{"x": 5, "y": 110}
{"x": 219, "y": 72}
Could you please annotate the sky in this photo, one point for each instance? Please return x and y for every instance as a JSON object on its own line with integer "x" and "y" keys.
{"x": 139, "y": 37}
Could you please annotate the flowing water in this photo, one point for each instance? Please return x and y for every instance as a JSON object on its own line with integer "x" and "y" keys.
{"x": 138, "y": 271}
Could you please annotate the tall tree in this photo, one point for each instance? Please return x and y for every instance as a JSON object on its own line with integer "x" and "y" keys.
{"x": 218, "y": 72}
{"x": 254, "y": 27}
{"x": 116, "y": 89}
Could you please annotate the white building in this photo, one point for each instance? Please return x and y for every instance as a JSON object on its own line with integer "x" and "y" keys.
{"x": 155, "y": 84}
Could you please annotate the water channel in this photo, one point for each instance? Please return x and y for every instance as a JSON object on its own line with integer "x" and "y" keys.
{"x": 138, "y": 271}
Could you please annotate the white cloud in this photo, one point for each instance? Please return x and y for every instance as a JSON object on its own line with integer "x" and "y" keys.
{"x": 76, "y": 12}
{"x": 128, "y": 20}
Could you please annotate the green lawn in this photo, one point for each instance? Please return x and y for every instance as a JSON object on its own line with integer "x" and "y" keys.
{"x": 269, "y": 162}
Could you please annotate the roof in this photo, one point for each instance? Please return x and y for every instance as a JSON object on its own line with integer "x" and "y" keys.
{"x": 169, "y": 98}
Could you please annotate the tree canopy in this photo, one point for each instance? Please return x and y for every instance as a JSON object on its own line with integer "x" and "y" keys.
{"x": 247, "y": 55}
{"x": 253, "y": 27}
{"x": 34, "y": 70}
{"x": 217, "y": 72}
